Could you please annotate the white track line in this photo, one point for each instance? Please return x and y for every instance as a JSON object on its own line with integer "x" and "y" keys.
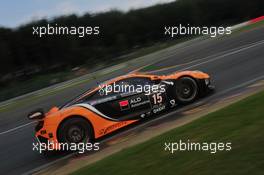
{"x": 37, "y": 169}
{"x": 224, "y": 55}
{"x": 241, "y": 48}
{"x": 16, "y": 128}
{"x": 214, "y": 57}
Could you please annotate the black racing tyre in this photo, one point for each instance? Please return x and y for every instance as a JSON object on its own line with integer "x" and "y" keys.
{"x": 186, "y": 90}
{"x": 75, "y": 130}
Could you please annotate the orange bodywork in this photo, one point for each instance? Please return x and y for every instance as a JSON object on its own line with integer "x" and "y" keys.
{"x": 100, "y": 125}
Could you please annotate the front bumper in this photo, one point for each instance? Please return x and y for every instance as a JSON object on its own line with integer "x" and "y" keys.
{"x": 211, "y": 88}
{"x": 47, "y": 144}
{"x": 45, "y": 137}
{"x": 205, "y": 87}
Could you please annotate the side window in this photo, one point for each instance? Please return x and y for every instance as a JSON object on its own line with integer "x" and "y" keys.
{"x": 94, "y": 96}
{"x": 131, "y": 85}
{"x": 103, "y": 93}
{"x": 136, "y": 81}
{"x": 119, "y": 87}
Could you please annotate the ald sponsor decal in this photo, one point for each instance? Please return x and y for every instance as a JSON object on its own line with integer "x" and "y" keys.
{"x": 138, "y": 102}
{"x": 124, "y": 105}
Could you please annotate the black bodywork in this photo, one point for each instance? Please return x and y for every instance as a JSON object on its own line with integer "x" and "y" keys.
{"x": 137, "y": 105}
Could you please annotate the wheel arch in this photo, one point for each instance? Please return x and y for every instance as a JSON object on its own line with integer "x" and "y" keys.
{"x": 198, "y": 80}
{"x": 80, "y": 117}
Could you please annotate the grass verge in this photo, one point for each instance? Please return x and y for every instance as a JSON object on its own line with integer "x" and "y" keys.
{"x": 17, "y": 88}
{"x": 241, "y": 124}
{"x": 250, "y": 27}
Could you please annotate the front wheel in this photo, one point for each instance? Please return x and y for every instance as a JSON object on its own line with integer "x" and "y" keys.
{"x": 186, "y": 90}
{"x": 75, "y": 130}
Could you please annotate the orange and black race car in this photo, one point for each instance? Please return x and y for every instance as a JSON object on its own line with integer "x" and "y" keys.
{"x": 118, "y": 103}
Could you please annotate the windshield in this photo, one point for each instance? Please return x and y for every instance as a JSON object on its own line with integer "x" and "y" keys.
{"x": 76, "y": 99}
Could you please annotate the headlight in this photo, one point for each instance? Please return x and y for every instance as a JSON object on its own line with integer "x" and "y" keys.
{"x": 37, "y": 114}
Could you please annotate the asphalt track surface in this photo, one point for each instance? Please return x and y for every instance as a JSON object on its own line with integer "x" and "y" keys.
{"x": 232, "y": 61}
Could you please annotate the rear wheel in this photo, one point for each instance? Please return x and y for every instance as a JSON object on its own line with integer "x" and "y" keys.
{"x": 186, "y": 90}
{"x": 75, "y": 130}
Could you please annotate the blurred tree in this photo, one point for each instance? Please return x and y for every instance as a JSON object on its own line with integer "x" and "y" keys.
{"x": 120, "y": 33}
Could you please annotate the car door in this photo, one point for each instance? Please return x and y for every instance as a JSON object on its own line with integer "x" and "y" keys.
{"x": 127, "y": 103}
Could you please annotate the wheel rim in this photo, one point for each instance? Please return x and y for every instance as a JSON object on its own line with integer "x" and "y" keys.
{"x": 75, "y": 134}
{"x": 186, "y": 90}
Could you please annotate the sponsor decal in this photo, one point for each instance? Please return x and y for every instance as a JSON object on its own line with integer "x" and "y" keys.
{"x": 95, "y": 102}
{"x": 126, "y": 94}
{"x": 142, "y": 115}
{"x": 172, "y": 102}
{"x": 124, "y": 105}
{"x": 112, "y": 127}
{"x": 138, "y": 102}
{"x": 158, "y": 109}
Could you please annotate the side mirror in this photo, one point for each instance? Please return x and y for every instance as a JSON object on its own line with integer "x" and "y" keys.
{"x": 37, "y": 114}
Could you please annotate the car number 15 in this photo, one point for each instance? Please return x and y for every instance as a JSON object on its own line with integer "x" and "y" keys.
{"x": 157, "y": 98}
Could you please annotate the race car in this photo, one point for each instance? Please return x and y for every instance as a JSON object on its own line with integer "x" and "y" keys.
{"x": 117, "y": 103}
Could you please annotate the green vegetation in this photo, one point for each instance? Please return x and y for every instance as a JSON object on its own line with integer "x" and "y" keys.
{"x": 150, "y": 67}
{"x": 16, "y": 88}
{"x": 133, "y": 33}
{"x": 241, "y": 123}
{"x": 120, "y": 33}
{"x": 32, "y": 83}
